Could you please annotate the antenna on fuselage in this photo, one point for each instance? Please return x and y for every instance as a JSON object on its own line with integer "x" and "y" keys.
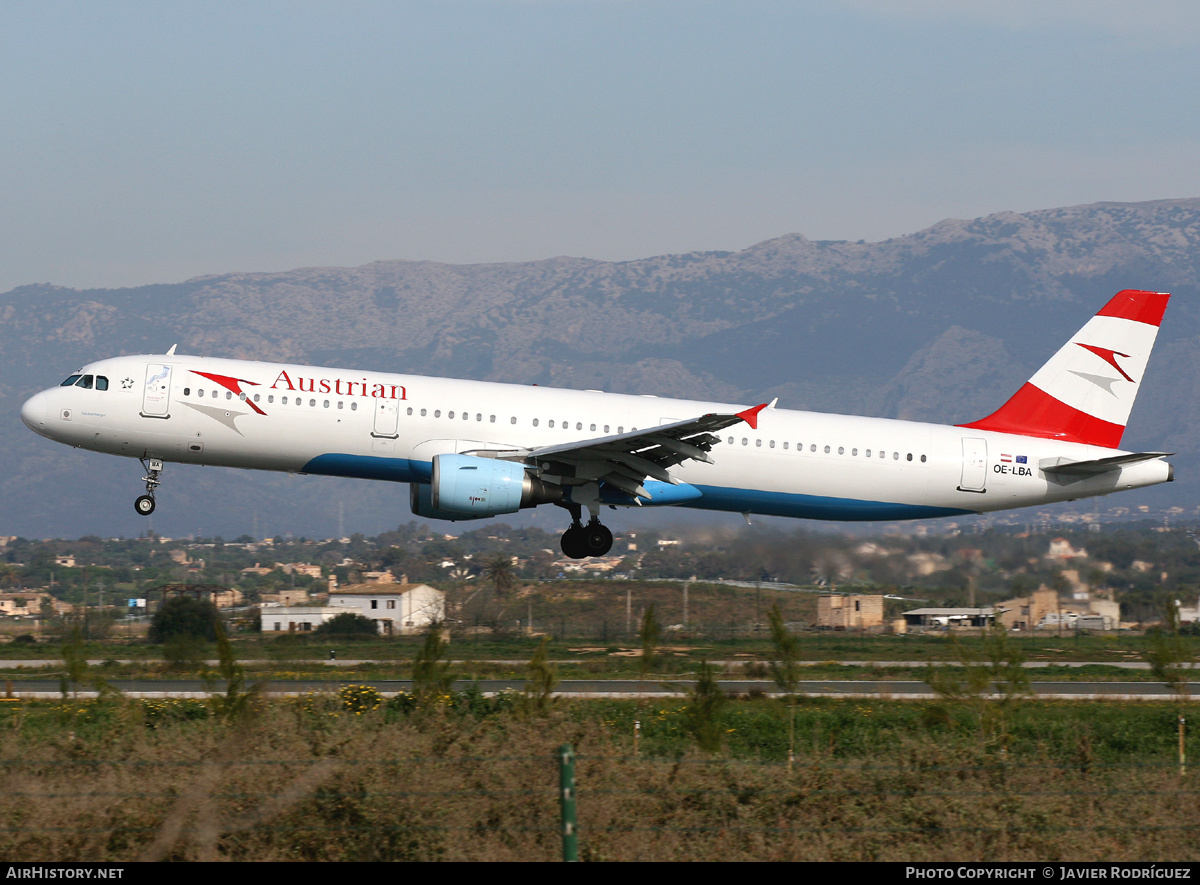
{"x": 171, "y": 352}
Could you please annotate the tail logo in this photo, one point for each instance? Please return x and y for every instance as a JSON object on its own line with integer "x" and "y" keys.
{"x": 1110, "y": 357}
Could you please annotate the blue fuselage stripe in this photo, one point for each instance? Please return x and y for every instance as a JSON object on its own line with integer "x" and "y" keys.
{"x": 766, "y": 503}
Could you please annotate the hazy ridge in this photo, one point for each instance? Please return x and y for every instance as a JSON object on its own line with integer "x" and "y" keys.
{"x": 940, "y": 325}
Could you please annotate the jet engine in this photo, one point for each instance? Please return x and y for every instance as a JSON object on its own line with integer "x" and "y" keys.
{"x": 466, "y": 487}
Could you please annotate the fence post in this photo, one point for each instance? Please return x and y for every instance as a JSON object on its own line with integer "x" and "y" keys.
{"x": 566, "y": 783}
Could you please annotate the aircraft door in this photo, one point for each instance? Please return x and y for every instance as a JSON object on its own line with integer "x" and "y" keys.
{"x": 974, "y": 465}
{"x": 387, "y": 418}
{"x": 156, "y": 397}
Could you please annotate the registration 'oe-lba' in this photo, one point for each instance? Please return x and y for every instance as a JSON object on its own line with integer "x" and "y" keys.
{"x": 472, "y": 449}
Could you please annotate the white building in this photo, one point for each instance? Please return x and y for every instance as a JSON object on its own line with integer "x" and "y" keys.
{"x": 299, "y": 618}
{"x": 397, "y": 608}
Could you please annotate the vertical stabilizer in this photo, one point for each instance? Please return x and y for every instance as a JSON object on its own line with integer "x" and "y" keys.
{"x": 1086, "y": 391}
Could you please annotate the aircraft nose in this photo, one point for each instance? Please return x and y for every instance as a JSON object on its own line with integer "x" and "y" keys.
{"x": 33, "y": 412}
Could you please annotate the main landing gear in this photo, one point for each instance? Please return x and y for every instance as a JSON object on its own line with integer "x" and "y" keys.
{"x": 144, "y": 505}
{"x": 580, "y": 541}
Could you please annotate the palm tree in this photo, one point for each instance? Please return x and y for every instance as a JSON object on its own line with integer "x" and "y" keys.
{"x": 499, "y": 570}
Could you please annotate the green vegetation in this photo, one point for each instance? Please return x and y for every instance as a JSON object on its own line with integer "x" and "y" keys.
{"x": 702, "y": 714}
{"x": 354, "y": 776}
{"x": 431, "y": 674}
{"x": 540, "y": 681}
{"x": 184, "y": 617}
{"x": 348, "y": 626}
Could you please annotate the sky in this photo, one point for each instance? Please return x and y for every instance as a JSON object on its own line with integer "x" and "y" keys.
{"x": 150, "y": 142}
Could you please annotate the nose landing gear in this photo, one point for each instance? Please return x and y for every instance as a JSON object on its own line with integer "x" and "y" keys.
{"x": 144, "y": 505}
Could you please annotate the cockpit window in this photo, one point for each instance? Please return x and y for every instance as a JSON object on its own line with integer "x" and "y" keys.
{"x": 85, "y": 382}
{"x": 101, "y": 382}
{"x": 70, "y": 381}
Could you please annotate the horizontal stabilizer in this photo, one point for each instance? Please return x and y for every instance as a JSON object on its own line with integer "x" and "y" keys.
{"x": 1071, "y": 471}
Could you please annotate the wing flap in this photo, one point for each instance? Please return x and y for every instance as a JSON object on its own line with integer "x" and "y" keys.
{"x": 626, "y": 460}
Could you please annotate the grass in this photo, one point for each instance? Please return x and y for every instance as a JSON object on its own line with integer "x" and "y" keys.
{"x": 303, "y": 657}
{"x": 350, "y": 776}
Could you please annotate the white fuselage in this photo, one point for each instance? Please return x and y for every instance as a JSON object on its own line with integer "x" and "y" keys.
{"x": 372, "y": 425}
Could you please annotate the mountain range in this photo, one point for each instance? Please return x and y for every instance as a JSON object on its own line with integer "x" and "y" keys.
{"x": 940, "y": 325}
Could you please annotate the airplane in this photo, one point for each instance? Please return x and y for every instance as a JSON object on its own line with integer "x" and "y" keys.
{"x": 474, "y": 449}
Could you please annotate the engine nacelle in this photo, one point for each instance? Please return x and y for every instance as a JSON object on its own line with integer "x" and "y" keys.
{"x": 466, "y": 487}
{"x": 420, "y": 501}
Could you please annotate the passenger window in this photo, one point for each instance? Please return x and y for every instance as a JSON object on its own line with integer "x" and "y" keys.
{"x": 353, "y": 407}
{"x": 282, "y": 399}
{"x": 910, "y": 456}
{"x": 827, "y": 450}
{"x": 922, "y": 459}
{"x": 550, "y": 423}
{"x": 187, "y": 391}
{"x": 512, "y": 420}
{"x": 450, "y": 414}
{"x": 841, "y": 450}
{"x": 535, "y": 422}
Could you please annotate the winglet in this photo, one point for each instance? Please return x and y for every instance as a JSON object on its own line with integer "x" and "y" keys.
{"x": 750, "y": 416}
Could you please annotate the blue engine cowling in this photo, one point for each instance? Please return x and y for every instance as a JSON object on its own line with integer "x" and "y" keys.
{"x": 466, "y": 487}
{"x": 420, "y": 501}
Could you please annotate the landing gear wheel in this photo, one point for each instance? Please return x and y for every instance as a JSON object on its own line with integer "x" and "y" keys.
{"x": 597, "y": 539}
{"x": 574, "y": 542}
{"x": 153, "y": 479}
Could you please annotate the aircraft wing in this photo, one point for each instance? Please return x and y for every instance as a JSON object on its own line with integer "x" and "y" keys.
{"x": 626, "y": 460}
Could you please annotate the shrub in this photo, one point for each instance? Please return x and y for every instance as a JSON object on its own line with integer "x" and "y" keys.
{"x": 184, "y": 616}
{"x": 348, "y": 625}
